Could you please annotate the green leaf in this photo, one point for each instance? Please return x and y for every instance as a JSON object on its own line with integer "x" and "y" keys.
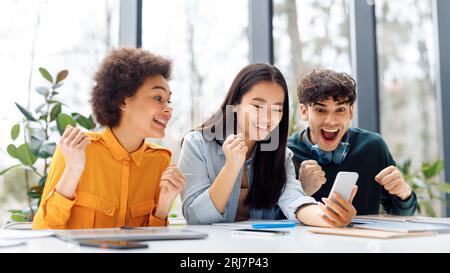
{"x": 43, "y": 117}
{"x": 19, "y": 217}
{"x": 62, "y": 120}
{"x": 430, "y": 171}
{"x": 25, "y": 112}
{"x": 445, "y": 187}
{"x": 35, "y": 144}
{"x": 12, "y": 150}
{"x": 42, "y": 90}
{"x": 15, "y": 211}
{"x": 438, "y": 167}
{"x": 45, "y": 74}
{"x": 41, "y": 181}
{"x": 55, "y": 111}
{"x": 61, "y": 75}
{"x": 56, "y": 86}
{"x": 34, "y": 195}
{"x": 47, "y": 149}
{"x": 429, "y": 209}
{"x": 41, "y": 109}
{"x": 8, "y": 169}
{"x": 25, "y": 155}
{"x": 405, "y": 167}
{"x": 83, "y": 121}
{"x": 38, "y": 132}
{"x": 15, "y": 130}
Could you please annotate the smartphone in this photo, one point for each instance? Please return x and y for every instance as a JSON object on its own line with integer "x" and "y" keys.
{"x": 260, "y": 231}
{"x": 112, "y": 244}
{"x": 343, "y": 185}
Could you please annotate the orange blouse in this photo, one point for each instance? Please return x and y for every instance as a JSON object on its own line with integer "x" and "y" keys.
{"x": 116, "y": 189}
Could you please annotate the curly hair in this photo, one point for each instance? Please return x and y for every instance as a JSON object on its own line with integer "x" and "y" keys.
{"x": 319, "y": 85}
{"x": 119, "y": 76}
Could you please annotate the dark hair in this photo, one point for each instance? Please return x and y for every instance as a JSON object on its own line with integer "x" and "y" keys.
{"x": 319, "y": 85}
{"x": 269, "y": 173}
{"x": 119, "y": 76}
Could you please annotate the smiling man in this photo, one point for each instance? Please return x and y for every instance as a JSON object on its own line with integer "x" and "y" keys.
{"x": 329, "y": 146}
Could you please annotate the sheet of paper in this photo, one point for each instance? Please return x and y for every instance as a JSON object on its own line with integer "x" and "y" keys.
{"x": 24, "y": 234}
{"x": 11, "y": 243}
{"x": 404, "y": 227}
{"x": 366, "y": 233}
{"x": 396, "y": 218}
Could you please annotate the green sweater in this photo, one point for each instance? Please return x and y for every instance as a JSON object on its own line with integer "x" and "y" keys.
{"x": 367, "y": 155}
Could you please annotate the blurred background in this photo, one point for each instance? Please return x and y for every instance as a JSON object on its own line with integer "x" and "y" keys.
{"x": 391, "y": 48}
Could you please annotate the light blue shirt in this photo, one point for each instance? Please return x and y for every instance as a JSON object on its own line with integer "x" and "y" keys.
{"x": 201, "y": 161}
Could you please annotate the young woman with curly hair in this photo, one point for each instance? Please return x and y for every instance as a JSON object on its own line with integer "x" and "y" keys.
{"x": 115, "y": 178}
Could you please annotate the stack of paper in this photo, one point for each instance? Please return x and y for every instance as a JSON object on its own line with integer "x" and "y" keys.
{"x": 378, "y": 234}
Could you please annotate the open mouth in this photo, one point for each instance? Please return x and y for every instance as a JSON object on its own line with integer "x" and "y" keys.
{"x": 161, "y": 122}
{"x": 329, "y": 135}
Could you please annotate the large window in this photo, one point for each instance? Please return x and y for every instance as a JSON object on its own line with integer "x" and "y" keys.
{"x": 208, "y": 43}
{"x": 55, "y": 34}
{"x": 407, "y": 76}
{"x": 310, "y": 34}
{"x": 407, "y": 80}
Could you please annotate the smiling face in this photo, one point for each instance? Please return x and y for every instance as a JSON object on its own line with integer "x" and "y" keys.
{"x": 260, "y": 110}
{"x": 148, "y": 111}
{"x": 328, "y": 121}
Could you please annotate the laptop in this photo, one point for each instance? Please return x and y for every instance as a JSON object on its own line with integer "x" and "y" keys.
{"x": 130, "y": 233}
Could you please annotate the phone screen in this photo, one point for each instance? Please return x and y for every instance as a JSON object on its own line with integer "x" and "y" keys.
{"x": 343, "y": 185}
{"x": 112, "y": 244}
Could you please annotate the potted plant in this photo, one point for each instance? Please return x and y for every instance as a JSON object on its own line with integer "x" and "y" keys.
{"x": 35, "y": 146}
{"x": 426, "y": 183}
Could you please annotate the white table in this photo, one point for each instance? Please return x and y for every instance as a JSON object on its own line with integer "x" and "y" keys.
{"x": 221, "y": 240}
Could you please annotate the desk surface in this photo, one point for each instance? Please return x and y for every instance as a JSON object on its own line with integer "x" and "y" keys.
{"x": 221, "y": 240}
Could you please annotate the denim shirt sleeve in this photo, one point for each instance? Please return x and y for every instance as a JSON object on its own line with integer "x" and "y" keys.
{"x": 293, "y": 195}
{"x": 198, "y": 207}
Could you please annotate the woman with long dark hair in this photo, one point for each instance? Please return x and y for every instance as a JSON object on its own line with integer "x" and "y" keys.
{"x": 237, "y": 166}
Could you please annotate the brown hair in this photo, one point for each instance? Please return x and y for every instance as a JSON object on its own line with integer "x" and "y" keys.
{"x": 319, "y": 85}
{"x": 119, "y": 76}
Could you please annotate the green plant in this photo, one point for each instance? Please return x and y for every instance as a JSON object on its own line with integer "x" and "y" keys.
{"x": 37, "y": 148}
{"x": 426, "y": 184}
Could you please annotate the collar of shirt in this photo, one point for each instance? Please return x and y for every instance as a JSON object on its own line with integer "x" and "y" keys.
{"x": 118, "y": 151}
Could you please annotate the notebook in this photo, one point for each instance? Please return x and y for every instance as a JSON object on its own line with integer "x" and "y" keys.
{"x": 377, "y": 234}
{"x": 403, "y": 227}
{"x": 396, "y": 218}
{"x": 137, "y": 233}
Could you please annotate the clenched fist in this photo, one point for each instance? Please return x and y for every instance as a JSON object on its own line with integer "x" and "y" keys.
{"x": 311, "y": 176}
{"x": 392, "y": 180}
{"x": 235, "y": 150}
